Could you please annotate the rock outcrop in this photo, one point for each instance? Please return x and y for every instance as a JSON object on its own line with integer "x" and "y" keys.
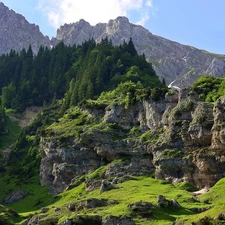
{"x": 178, "y": 138}
{"x": 17, "y": 33}
{"x": 171, "y": 60}
{"x": 61, "y": 164}
{"x": 16, "y": 196}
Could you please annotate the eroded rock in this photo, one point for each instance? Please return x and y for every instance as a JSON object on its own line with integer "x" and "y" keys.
{"x": 115, "y": 220}
{"x": 165, "y": 203}
{"x": 16, "y": 196}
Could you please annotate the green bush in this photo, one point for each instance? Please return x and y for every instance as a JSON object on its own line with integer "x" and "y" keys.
{"x": 187, "y": 186}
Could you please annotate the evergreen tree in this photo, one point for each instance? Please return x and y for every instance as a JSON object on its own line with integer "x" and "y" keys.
{"x": 2, "y": 120}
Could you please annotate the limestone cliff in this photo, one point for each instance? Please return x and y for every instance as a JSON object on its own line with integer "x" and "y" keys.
{"x": 177, "y": 138}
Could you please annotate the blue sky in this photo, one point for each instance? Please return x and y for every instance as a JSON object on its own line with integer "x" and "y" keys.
{"x": 199, "y": 23}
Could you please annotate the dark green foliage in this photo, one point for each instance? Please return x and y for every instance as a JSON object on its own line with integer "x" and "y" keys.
{"x": 76, "y": 72}
{"x": 7, "y": 216}
{"x": 170, "y": 153}
{"x": 25, "y": 158}
{"x": 187, "y": 186}
{"x": 3, "y": 120}
{"x": 29, "y": 80}
{"x": 102, "y": 67}
{"x": 207, "y": 88}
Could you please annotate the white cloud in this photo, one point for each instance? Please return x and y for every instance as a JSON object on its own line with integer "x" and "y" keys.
{"x": 149, "y": 3}
{"x": 144, "y": 19}
{"x": 60, "y": 12}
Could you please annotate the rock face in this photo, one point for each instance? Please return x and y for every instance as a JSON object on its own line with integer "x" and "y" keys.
{"x": 61, "y": 164}
{"x": 178, "y": 138}
{"x": 17, "y": 33}
{"x": 171, "y": 60}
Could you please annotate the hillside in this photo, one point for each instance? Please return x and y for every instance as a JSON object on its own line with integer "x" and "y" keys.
{"x": 89, "y": 134}
{"x": 122, "y": 159}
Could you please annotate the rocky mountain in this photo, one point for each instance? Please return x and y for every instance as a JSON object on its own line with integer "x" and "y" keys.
{"x": 171, "y": 60}
{"x": 17, "y": 33}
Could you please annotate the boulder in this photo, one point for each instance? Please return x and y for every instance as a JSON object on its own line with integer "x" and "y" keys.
{"x": 118, "y": 220}
{"x": 16, "y": 196}
{"x": 164, "y": 203}
{"x": 221, "y": 216}
{"x": 83, "y": 220}
{"x": 106, "y": 186}
{"x": 142, "y": 208}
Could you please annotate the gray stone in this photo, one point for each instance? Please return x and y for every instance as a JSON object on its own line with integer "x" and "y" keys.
{"x": 35, "y": 219}
{"x": 142, "y": 208}
{"x": 200, "y": 210}
{"x": 17, "y": 33}
{"x": 15, "y": 197}
{"x": 178, "y": 134}
{"x": 162, "y": 202}
{"x": 83, "y": 220}
{"x": 67, "y": 222}
{"x": 221, "y": 216}
{"x": 120, "y": 220}
{"x": 106, "y": 186}
{"x": 44, "y": 210}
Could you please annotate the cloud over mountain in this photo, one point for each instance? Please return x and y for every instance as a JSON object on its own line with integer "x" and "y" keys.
{"x": 68, "y": 11}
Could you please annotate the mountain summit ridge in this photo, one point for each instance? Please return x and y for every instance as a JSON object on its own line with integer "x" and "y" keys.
{"x": 171, "y": 60}
{"x": 17, "y": 33}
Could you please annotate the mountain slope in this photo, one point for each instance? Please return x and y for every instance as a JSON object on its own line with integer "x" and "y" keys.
{"x": 17, "y": 33}
{"x": 171, "y": 60}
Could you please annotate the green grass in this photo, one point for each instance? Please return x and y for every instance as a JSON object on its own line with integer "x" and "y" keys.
{"x": 187, "y": 186}
{"x": 36, "y": 198}
{"x": 215, "y": 198}
{"x": 8, "y": 216}
{"x": 142, "y": 189}
{"x": 9, "y": 138}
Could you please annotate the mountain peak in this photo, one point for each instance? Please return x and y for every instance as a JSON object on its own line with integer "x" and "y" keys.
{"x": 17, "y": 33}
{"x": 2, "y": 6}
{"x": 171, "y": 60}
{"x": 122, "y": 19}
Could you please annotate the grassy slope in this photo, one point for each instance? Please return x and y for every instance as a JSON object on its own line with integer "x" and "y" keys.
{"x": 9, "y": 138}
{"x": 215, "y": 198}
{"x": 143, "y": 189}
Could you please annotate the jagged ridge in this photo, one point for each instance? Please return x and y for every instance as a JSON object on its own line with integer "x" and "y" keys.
{"x": 17, "y": 33}
{"x": 171, "y": 60}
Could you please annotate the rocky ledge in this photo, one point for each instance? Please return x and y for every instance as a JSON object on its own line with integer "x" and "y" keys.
{"x": 178, "y": 138}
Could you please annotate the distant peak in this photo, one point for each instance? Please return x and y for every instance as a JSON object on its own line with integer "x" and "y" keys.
{"x": 3, "y": 6}
{"x": 82, "y": 21}
{"x": 121, "y": 19}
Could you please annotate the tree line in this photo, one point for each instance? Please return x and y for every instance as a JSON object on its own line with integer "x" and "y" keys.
{"x": 73, "y": 73}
